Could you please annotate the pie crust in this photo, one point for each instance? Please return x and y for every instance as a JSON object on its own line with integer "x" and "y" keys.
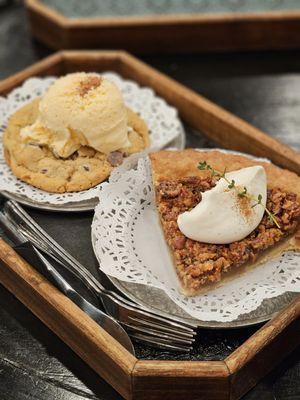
{"x": 178, "y": 185}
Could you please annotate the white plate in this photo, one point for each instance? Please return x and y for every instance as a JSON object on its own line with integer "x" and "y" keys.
{"x": 134, "y": 259}
{"x": 165, "y": 129}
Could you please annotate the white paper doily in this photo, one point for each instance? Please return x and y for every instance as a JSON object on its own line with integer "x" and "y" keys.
{"x": 129, "y": 244}
{"x": 162, "y": 121}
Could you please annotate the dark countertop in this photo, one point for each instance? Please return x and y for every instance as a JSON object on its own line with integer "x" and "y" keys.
{"x": 262, "y": 88}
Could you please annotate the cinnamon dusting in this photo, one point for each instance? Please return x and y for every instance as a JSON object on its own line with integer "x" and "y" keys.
{"x": 243, "y": 204}
{"x": 91, "y": 82}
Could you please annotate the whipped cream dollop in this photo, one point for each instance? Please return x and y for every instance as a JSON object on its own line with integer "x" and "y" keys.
{"x": 222, "y": 216}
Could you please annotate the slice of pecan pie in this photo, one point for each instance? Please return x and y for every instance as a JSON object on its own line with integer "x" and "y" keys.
{"x": 178, "y": 187}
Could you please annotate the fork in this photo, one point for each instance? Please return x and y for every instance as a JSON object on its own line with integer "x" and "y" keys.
{"x": 153, "y": 336}
{"x": 42, "y": 240}
{"x": 137, "y": 321}
{"x": 34, "y": 231}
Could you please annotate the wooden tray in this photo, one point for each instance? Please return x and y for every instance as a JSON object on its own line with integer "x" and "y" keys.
{"x": 174, "y": 33}
{"x": 133, "y": 378}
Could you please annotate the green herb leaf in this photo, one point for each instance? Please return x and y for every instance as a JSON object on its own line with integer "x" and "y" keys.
{"x": 243, "y": 193}
{"x": 223, "y": 174}
{"x": 202, "y": 165}
{"x": 231, "y": 184}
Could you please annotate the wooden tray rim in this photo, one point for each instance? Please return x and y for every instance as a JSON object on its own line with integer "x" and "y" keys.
{"x": 237, "y": 134}
{"x": 193, "y": 33}
{"x": 189, "y": 18}
{"x": 130, "y": 373}
{"x": 70, "y": 324}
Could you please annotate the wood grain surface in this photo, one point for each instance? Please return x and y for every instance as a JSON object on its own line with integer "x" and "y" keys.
{"x": 222, "y": 127}
{"x": 264, "y": 350}
{"x": 137, "y": 379}
{"x": 174, "y": 33}
{"x": 215, "y": 380}
{"x": 34, "y": 363}
{"x": 176, "y": 379}
{"x": 98, "y": 349}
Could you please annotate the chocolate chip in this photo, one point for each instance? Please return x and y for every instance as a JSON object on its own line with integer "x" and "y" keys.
{"x": 44, "y": 170}
{"x": 115, "y": 158}
{"x": 74, "y": 156}
{"x": 86, "y": 168}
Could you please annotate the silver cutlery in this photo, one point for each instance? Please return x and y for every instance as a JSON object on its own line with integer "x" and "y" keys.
{"x": 30, "y": 253}
{"x": 140, "y": 323}
{"x": 152, "y": 337}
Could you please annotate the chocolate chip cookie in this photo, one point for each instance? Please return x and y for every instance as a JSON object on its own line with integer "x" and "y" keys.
{"x": 37, "y": 165}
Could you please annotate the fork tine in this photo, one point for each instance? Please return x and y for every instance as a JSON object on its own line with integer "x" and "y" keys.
{"x": 140, "y": 314}
{"x": 167, "y": 319}
{"x": 161, "y": 344}
{"x": 163, "y": 328}
{"x": 158, "y": 334}
{"x": 129, "y": 315}
{"x": 146, "y": 316}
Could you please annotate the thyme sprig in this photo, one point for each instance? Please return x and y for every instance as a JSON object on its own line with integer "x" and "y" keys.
{"x": 203, "y": 166}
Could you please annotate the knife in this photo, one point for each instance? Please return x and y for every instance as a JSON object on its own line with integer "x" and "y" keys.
{"x": 33, "y": 256}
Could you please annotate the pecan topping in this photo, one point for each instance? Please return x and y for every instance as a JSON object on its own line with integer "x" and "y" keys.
{"x": 200, "y": 263}
{"x": 91, "y": 82}
{"x": 179, "y": 242}
{"x": 169, "y": 190}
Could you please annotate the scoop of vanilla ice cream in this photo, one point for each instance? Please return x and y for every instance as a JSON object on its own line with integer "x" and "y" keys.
{"x": 80, "y": 109}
